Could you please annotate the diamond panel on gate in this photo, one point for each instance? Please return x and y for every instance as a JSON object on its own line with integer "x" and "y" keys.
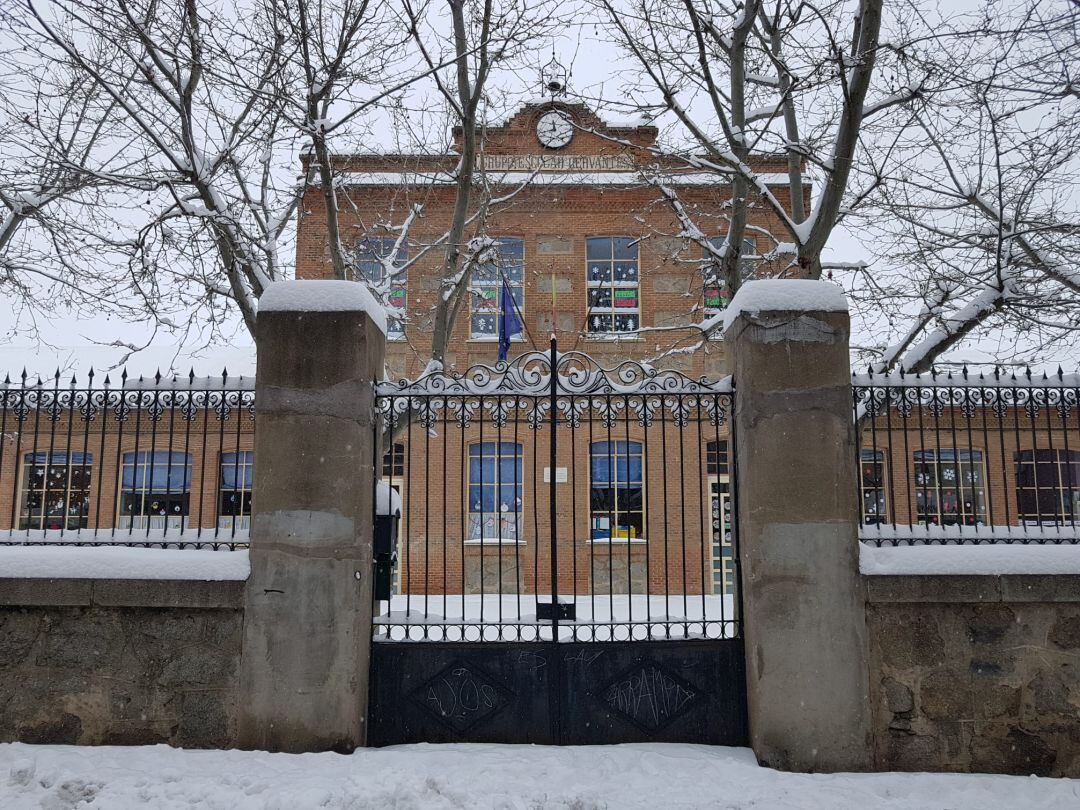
{"x": 648, "y": 696}
{"x": 462, "y": 696}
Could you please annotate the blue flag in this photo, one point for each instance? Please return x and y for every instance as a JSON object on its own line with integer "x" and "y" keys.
{"x": 509, "y": 322}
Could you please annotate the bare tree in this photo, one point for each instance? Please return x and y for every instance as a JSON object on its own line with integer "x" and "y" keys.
{"x": 975, "y": 213}
{"x": 951, "y": 137}
{"x": 218, "y": 106}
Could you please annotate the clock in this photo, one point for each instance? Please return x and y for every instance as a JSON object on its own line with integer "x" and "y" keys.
{"x": 554, "y": 129}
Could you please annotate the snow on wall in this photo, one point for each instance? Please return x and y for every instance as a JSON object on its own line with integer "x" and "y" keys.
{"x": 981, "y": 560}
{"x": 322, "y": 296}
{"x": 787, "y": 295}
{"x": 625, "y": 178}
{"x": 113, "y": 562}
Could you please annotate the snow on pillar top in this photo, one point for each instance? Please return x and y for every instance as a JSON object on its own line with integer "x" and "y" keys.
{"x": 322, "y": 296}
{"x": 785, "y": 295}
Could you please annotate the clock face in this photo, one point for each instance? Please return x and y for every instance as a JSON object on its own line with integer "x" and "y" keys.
{"x": 554, "y": 129}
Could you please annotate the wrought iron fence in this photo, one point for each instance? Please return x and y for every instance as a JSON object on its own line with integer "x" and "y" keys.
{"x": 160, "y": 462}
{"x": 551, "y": 499}
{"x": 966, "y": 459}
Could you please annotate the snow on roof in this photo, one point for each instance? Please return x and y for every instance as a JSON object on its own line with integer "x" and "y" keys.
{"x": 550, "y": 178}
{"x": 785, "y": 295}
{"x": 322, "y": 296}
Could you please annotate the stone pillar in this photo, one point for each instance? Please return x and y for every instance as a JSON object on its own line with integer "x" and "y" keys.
{"x": 307, "y": 625}
{"x": 804, "y": 609}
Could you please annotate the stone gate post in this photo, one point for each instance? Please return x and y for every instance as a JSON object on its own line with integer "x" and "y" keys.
{"x": 307, "y": 624}
{"x": 804, "y": 620}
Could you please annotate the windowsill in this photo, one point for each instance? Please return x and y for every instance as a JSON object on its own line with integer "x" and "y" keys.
{"x": 494, "y": 541}
{"x": 617, "y": 541}
{"x": 612, "y": 337}
{"x": 493, "y": 339}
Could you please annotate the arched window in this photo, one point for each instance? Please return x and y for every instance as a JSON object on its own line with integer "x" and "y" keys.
{"x": 1048, "y": 486}
{"x": 616, "y": 498}
{"x": 495, "y": 490}
{"x": 613, "y": 280}
{"x": 155, "y": 489}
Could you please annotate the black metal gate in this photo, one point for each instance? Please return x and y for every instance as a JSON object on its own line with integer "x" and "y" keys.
{"x": 567, "y": 567}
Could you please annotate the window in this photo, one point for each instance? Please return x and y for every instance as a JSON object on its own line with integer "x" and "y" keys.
{"x": 722, "y": 551}
{"x": 56, "y": 490}
{"x": 1048, "y": 486}
{"x": 371, "y": 252}
{"x": 950, "y": 487}
{"x": 612, "y": 272}
{"x": 486, "y": 287}
{"x": 155, "y": 489}
{"x": 716, "y": 457}
{"x": 393, "y": 463}
{"x": 495, "y": 487}
{"x": 615, "y": 500}
{"x": 234, "y": 496}
{"x": 872, "y": 487}
{"x": 717, "y": 294}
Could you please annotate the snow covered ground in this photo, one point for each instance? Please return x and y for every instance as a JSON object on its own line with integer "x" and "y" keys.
{"x": 477, "y": 777}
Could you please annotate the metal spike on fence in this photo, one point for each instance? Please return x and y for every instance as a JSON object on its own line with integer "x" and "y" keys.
{"x": 191, "y": 376}
{"x": 1027, "y": 372}
{"x": 1060, "y": 373}
{"x": 965, "y": 371}
{"x": 903, "y": 371}
{"x": 123, "y": 376}
{"x": 157, "y": 377}
{"x": 73, "y": 380}
{"x": 7, "y": 379}
{"x": 24, "y": 375}
{"x": 224, "y": 375}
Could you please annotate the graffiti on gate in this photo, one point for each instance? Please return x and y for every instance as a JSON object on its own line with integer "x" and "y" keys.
{"x": 648, "y": 696}
{"x": 461, "y": 697}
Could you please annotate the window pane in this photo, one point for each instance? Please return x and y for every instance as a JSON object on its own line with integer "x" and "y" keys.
{"x": 598, "y": 248}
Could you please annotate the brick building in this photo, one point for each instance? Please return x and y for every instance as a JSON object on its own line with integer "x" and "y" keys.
{"x": 642, "y": 509}
{"x": 590, "y": 251}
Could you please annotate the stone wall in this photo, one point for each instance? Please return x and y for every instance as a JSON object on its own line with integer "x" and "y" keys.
{"x": 976, "y": 673}
{"x": 119, "y": 662}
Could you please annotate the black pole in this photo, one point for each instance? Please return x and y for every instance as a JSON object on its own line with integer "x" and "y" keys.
{"x": 552, "y": 516}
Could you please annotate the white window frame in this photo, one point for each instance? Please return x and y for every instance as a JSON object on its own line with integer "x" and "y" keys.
{"x": 51, "y": 458}
{"x": 242, "y": 468}
{"x": 613, "y": 285}
{"x": 141, "y": 520}
{"x": 371, "y": 270}
{"x": 508, "y": 527}
{"x": 505, "y": 267}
